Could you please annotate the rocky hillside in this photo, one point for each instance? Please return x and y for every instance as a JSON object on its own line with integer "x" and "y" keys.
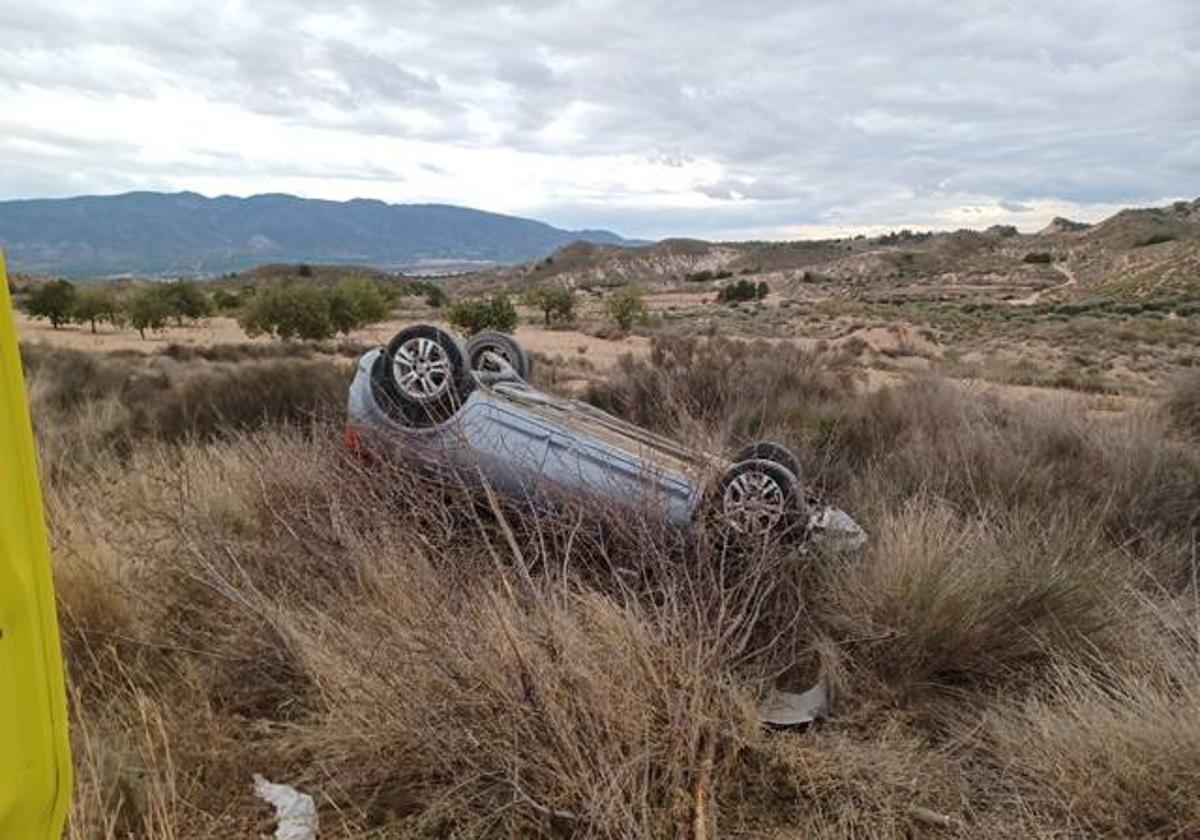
{"x": 1140, "y": 253}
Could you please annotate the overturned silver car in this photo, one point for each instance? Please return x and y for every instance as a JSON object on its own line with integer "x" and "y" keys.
{"x": 469, "y": 406}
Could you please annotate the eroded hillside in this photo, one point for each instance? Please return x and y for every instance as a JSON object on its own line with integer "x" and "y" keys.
{"x": 1137, "y": 253}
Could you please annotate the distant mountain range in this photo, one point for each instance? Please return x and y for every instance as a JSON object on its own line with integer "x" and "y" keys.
{"x": 186, "y": 233}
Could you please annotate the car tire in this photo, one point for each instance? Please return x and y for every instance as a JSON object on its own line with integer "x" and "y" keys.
{"x": 766, "y": 450}
{"x": 422, "y": 378}
{"x": 502, "y": 345}
{"x": 758, "y": 499}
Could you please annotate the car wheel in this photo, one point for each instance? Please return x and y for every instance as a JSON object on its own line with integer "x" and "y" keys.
{"x": 758, "y": 499}
{"x": 485, "y": 347}
{"x": 423, "y": 376}
{"x": 766, "y": 450}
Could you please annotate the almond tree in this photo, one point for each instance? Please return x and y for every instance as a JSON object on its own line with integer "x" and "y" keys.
{"x": 54, "y": 301}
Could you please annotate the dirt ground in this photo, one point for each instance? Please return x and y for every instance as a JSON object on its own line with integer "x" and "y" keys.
{"x": 602, "y": 353}
{"x": 599, "y": 354}
{"x": 106, "y": 339}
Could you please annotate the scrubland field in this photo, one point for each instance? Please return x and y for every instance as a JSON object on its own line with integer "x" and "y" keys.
{"x": 1015, "y": 654}
{"x": 1014, "y": 419}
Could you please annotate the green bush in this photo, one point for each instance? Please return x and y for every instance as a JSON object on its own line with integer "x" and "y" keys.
{"x": 434, "y": 295}
{"x": 148, "y": 309}
{"x": 1038, "y": 257}
{"x": 742, "y": 290}
{"x": 1156, "y": 239}
{"x": 557, "y": 303}
{"x": 226, "y": 300}
{"x": 355, "y": 303}
{"x": 185, "y": 300}
{"x": 291, "y": 309}
{"x": 92, "y": 305}
{"x": 53, "y": 301}
{"x": 471, "y": 315}
{"x": 288, "y": 310}
{"x": 626, "y": 307}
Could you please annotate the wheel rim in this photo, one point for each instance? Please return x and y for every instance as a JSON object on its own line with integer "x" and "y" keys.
{"x": 422, "y": 369}
{"x": 484, "y": 360}
{"x": 754, "y": 502}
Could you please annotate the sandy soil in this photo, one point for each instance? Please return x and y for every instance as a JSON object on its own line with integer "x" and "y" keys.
{"x": 1036, "y": 297}
{"x": 894, "y": 340}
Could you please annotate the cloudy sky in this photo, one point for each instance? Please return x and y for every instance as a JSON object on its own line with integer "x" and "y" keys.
{"x": 717, "y": 118}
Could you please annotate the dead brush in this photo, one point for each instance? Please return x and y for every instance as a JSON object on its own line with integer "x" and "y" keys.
{"x": 881, "y": 780}
{"x": 88, "y": 406}
{"x": 247, "y": 396}
{"x": 529, "y": 673}
{"x": 458, "y": 665}
{"x": 741, "y": 390}
{"x": 1182, "y": 405}
{"x": 484, "y": 715}
{"x": 975, "y": 603}
{"x": 979, "y": 455}
{"x": 1013, "y": 656}
{"x": 1111, "y": 747}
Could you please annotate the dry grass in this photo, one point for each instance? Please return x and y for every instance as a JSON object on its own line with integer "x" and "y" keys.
{"x": 721, "y": 389}
{"x": 1015, "y": 655}
{"x": 1183, "y": 405}
{"x": 88, "y": 404}
{"x": 1104, "y": 752}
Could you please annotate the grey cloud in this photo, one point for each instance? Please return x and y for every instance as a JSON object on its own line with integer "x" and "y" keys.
{"x": 814, "y": 112}
{"x": 525, "y": 73}
{"x": 1014, "y": 206}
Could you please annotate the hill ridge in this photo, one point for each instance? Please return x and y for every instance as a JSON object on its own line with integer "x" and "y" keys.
{"x": 148, "y": 232}
{"x": 1138, "y": 252}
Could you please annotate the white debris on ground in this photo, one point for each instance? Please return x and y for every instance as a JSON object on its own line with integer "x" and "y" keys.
{"x": 295, "y": 812}
{"x": 786, "y": 708}
{"x": 834, "y": 528}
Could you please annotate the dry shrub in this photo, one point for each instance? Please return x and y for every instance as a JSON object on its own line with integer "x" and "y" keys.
{"x": 490, "y": 715}
{"x": 978, "y": 452}
{"x": 495, "y": 673}
{"x": 269, "y": 351}
{"x": 977, "y": 601}
{"x": 389, "y": 626}
{"x": 882, "y": 782}
{"x": 927, "y": 437}
{"x": 87, "y": 405}
{"x": 1107, "y": 751}
{"x": 247, "y": 397}
{"x": 175, "y": 665}
{"x": 62, "y": 380}
{"x": 719, "y": 387}
{"x": 1183, "y": 405}
{"x": 1013, "y": 656}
